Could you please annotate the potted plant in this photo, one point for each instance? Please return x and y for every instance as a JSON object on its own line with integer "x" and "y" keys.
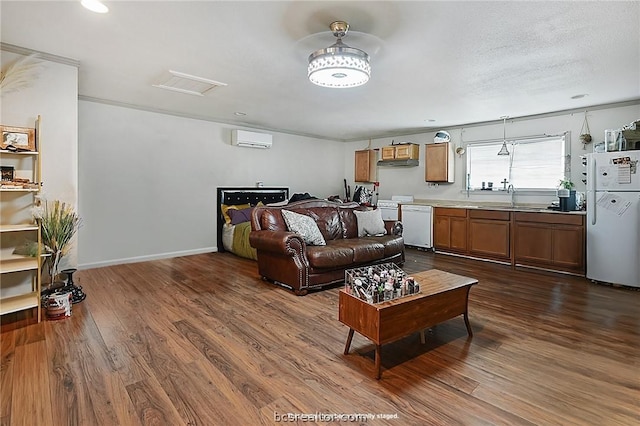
{"x": 566, "y": 184}
{"x": 59, "y": 223}
{"x": 567, "y": 195}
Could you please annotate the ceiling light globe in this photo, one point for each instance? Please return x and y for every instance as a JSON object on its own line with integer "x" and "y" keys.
{"x": 339, "y": 70}
{"x": 339, "y": 66}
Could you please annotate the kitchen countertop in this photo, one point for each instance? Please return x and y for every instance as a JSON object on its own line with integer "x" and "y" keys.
{"x": 493, "y": 206}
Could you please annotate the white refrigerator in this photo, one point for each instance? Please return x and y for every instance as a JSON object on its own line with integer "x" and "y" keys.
{"x": 613, "y": 217}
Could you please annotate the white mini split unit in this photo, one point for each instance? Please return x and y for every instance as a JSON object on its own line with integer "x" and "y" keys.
{"x": 251, "y": 139}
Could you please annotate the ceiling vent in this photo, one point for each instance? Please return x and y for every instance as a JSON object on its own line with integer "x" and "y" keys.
{"x": 185, "y": 83}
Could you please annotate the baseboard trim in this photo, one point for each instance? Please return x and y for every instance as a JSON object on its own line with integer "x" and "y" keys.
{"x": 147, "y": 258}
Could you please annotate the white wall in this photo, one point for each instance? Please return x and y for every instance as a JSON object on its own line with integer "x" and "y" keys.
{"x": 144, "y": 182}
{"x": 54, "y": 96}
{"x": 148, "y": 180}
{"x": 410, "y": 180}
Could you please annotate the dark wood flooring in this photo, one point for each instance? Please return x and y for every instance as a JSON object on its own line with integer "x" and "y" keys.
{"x": 202, "y": 340}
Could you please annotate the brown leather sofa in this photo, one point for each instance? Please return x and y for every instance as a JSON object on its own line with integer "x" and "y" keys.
{"x": 284, "y": 257}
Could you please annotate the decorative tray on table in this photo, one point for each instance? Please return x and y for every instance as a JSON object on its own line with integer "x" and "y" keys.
{"x": 379, "y": 283}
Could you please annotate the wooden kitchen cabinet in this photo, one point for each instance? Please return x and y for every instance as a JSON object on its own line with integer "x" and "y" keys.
{"x": 365, "y": 166}
{"x": 490, "y": 234}
{"x": 550, "y": 241}
{"x": 450, "y": 229}
{"x": 388, "y": 152}
{"x": 439, "y": 162}
{"x": 408, "y": 151}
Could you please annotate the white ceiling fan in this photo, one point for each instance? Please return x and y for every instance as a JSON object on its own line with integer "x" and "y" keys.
{"x": 369, "y": 43}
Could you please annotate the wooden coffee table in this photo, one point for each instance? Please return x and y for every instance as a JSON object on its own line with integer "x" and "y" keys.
{"x": 442, "y": 296}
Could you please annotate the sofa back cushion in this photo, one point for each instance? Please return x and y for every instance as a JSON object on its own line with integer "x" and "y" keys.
{"x": 335, "y": 220}
{"x": 271, "y": 219}
{"x": 327, "y": 220}
{"x": 349, "y": 222}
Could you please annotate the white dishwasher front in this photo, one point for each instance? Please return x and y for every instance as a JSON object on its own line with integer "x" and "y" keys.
{"x": 417, "y": 223}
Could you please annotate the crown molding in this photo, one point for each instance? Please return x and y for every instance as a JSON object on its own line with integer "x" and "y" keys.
{"x": 200, "y": 117}
{"x": 42, "y": 55}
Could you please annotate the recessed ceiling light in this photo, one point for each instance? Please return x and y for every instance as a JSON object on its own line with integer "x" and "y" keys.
{"x": 579, "y": 96}
{"x": 430, "y": 120}
{"x": 95, "y": 6}
{"x": 240, "y": 113}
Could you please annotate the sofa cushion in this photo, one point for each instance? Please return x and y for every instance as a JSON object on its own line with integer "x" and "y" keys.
{"x": 366, "y": 250}
{"x": 333, "y": 255}
{"x": 393, "y": 244}
{"x": 305, "y": 226}
{"x": 345, "y": 252}
{"x": 370, "y": 223}
{"x": 349, "y": 223}
{"x": 327, "y": 220}
{"x": 272, "y": 220}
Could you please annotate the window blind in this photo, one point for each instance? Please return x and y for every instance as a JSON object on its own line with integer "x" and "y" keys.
{"x": 536, "y": 164}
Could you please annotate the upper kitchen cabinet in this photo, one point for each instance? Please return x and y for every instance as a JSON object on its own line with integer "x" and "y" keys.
{"x": 388, "y": 152}
{"x": 365, "y": 166}
{"x": 439, "y": 162}
{"x": 409, "y": 151}
{"x": 401, "y": 155}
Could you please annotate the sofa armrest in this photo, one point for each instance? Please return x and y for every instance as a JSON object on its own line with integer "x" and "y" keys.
{"x": 275, "y": 241}
{"x": 393, "y": 227}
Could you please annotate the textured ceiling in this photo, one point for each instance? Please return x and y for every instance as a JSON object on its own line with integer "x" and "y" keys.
{"x": 452, "y": 62}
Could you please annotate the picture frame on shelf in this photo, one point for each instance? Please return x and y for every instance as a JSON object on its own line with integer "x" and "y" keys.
{"x": 18, "y": 138}
{"x": 7, "y": 173}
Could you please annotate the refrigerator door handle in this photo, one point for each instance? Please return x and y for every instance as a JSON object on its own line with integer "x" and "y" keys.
{"x": 592, "y": 189}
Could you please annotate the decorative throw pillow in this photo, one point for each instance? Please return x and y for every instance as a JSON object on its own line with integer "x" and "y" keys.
{"x": 225, "y": 210}
{"x": 370, "y": 223}
{"x": 304, "y": 226}
{"x": 240, "y": 216}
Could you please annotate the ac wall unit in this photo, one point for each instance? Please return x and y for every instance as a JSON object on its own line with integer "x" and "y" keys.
{"x": 251, "y": 139}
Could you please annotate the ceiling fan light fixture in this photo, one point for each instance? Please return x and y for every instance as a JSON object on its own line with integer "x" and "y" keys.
{"x": 339, "y": 66}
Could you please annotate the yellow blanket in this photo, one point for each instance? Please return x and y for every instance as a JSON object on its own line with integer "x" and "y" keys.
{"x": 241, "y": 245}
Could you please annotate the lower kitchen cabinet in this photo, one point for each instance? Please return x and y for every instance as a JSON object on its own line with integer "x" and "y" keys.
{"x": 550, "y": 241}
{"x": 490, "y": 234}
{"x": 553, "y": 241}
{"x": 450, "y": 229}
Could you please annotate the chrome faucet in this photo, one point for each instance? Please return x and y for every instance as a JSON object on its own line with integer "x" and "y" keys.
{"x": 512, "y": 190}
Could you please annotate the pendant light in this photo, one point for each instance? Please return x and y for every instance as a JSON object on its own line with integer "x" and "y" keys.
{"x": 504, "y": 150}
{"x": 339, "y": 66}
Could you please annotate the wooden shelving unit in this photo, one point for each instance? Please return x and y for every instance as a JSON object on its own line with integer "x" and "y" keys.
{"x": 20, "y": 284}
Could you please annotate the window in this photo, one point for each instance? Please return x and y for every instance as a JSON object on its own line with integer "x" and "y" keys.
{"x": 537, "y": 164}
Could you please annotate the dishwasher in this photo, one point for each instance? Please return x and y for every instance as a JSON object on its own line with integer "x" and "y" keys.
{"x": 417, "y": 222}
